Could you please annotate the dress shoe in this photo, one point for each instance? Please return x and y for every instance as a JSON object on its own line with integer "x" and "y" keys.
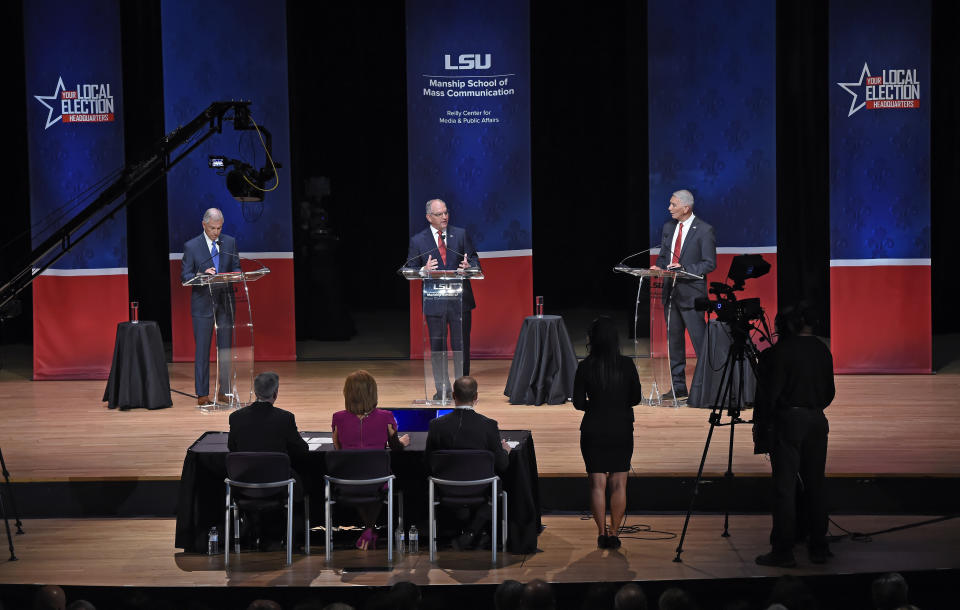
{"x": 669, "y": 395}
{"x": 223, "y": 399}
{"x": 203, "y": 401}
{"x": 483, "y": 542}
{"x": 613, "y": 542}
{"x": 271, "y": 545}
{"x": 819, "y": 555}
{"x": 603, "y": 542}
{"x": 777, "y": 560}
{"x": 464, "y": 542}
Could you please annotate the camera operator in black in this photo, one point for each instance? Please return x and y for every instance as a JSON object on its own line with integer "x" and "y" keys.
{"x": 797, "y": 388}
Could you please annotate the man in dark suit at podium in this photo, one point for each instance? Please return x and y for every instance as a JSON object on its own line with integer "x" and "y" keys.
{"x": 687, "y": 244}
{"x": 443, "y": 247}
{"x": 209, "y": 253}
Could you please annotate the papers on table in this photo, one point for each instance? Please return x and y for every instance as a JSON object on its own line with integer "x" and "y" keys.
{"x": 316, "y": 441}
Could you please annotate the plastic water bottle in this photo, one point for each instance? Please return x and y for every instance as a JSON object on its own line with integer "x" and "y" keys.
{"x": 213, "y": 541}
{"x": 414, "y": 540}
{"x": 401, "y": 540}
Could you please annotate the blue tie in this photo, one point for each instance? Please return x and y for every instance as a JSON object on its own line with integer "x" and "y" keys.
{"x": 215, "y": 254}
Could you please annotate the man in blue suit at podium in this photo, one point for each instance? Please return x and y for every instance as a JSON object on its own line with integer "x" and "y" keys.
{"x": 443, "y": 247}
{"x": 210, "y": 253}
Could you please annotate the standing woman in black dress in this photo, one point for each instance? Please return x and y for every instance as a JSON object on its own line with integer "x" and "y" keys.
{"x": 605, "y": 388}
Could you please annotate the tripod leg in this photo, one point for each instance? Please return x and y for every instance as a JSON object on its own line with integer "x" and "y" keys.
{"x": 6, "y": 523}
{"x": 714, "y": 416}
{"x": 13, "y": 500}
{"x": 728, "y": 477}
{"x": 733, "y": 407}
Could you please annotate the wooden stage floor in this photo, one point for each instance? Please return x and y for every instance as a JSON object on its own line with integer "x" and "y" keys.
{"x": 139, "y": 552}
{"x": 62, "y": 432}
{"x": 880, "y": 425}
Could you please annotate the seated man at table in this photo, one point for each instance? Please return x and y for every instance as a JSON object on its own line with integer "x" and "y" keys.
{"x": 464, "y": 428}
{"x": 260, "y": 426}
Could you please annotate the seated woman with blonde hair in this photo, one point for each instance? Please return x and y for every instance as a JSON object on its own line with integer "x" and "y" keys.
{"x": 363, "y": 426}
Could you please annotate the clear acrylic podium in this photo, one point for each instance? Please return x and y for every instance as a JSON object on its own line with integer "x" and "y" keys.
{"x": 659, "y": 381}
{"x": 233, "y": 334}
{"x": 442, "y": 310}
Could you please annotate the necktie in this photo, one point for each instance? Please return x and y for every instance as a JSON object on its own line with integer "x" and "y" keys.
{"x": 215, "y": 255}
{"x": 676, "y": 246}
{"x": 442, "y": 247}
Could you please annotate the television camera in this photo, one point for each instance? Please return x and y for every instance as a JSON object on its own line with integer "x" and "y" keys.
{"x": 737, "y": 313}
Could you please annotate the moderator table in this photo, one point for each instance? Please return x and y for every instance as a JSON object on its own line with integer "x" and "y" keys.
{"x": 202, "y": 491}
{"x": 544, "y": 363}
{"x": 138, "y": 374}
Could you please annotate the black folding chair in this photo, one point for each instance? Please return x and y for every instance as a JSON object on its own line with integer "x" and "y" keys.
{"x": 357, "y": 477}
{"x": 465, "y": 477}
{"x": 264, "y": 481}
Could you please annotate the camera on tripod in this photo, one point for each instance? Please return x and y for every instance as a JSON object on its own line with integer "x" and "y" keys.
{"x": 726, "y": 306}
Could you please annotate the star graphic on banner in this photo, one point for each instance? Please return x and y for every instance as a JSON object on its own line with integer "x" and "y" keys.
{"x": 55, "y": 96}
{"x": 846, "y": 87}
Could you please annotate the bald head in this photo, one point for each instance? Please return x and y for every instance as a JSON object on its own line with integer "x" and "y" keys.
{"x": 50, "y": 597}
{"x": 465, "y": 390}
{"x": 630, "y": 597}
{"x": 537, "y": 595}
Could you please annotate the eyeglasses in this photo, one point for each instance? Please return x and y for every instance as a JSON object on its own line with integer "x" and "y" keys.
{"x": 443, "y": 213}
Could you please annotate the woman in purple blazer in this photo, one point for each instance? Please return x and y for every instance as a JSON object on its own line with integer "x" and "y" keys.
{"x": 363, "y": 426}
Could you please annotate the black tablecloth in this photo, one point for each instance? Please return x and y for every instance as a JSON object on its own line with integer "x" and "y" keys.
{"x": 138, "y": 375}
{"x": 544, "y": 363}
{"x": 707, "y": 377}
{"x": 202, "y": 491}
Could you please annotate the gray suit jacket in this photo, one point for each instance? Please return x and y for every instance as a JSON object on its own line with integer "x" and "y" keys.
{"x": 196, "y": 258}
{"x": 698, "y": 256}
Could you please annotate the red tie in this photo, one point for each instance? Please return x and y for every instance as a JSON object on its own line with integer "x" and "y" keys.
{"x": 442, "y": 247}
{"x": 676, "y": 246}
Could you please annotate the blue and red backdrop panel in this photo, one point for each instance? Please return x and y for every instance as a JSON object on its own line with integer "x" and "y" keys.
{"x": 217, "y": 51}
{"x": 712, "y": 105}
{"x": 468, "y": 130}
{"x": 880, "y": 309}
{"x": 75, "y": 147}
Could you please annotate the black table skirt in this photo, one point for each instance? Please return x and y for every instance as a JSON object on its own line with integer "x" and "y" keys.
{"x": 138, "y": 374}
{"x": 707, "y": 376}
{"x": 202, "y": 491}
{"x": 544, "y": 363}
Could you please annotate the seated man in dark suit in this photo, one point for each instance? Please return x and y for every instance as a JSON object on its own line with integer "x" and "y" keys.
{"x": 260, "y": 426}
{"x": 464, "y": 428}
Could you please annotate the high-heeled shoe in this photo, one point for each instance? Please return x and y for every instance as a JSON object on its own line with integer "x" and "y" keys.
{"x": 366, "y": 539}
{"x": 613, "y": 542}
{"x": 602, "y": 541}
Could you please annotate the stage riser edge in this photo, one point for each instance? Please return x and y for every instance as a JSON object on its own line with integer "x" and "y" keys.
{"x": 850, "y": 495}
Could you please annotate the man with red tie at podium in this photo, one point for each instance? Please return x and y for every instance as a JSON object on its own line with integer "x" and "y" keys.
{"x": 687, "y": 244}
{"x": 443, "y": 247}
{"x": 209, "y": 253}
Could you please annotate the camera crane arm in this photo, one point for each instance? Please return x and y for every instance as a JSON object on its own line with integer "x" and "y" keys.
{"x": 133, "y": 182}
